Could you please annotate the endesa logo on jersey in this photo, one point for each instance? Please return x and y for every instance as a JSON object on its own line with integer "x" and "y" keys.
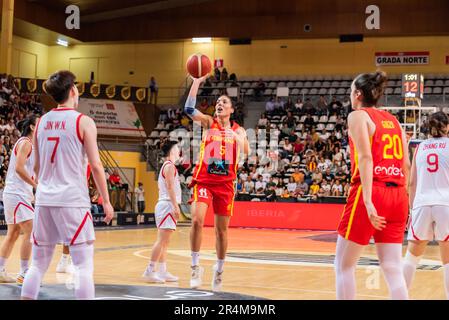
{"x": 390, "y": 171}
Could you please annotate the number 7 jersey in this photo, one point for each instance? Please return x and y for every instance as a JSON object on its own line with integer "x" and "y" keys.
{"x": 432, "y": 173}
{"x": 386, "y": 148}
{"x": 62, "y": 160}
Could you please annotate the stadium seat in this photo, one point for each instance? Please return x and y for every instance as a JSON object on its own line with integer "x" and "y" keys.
{"x": 428, "y": 83}
{"x": 308, "y": 84}
{"x": 389, "y": 91}
{"x": 216, "y": 92}
{"x": 332, "y": 119}
{"x": 316, "y": 84}
{"x": 295, "y": 92}
{"x": 156, "y": 141}
{"x": 160, "y": 126}
{"x": 304, "y": 91}
{"x": 397, "y": 91}
{"x": 249, "y": 92}
{"x": 330, "y": 127}
{"x": 326, "y": 84}
{"x": 163, "y": 134}
{"x": 437, "y": 90}
{"x": 341, "y": 91}
{"x": 281, "y": 84}
{"x": 320, "y": 127}
{"x": 439, "y": 83}
{"x": 299, "y": 84}
{"x": 272, "y": 85}
{"x": 323, "y": 119}
{"x": 313, "y": 91}
{"x": 315, "y": 118}
{"x": 154, "y": 134}
{"x": 268, "y": 92}
{"x": 332, "y": 91}
{"x": 335, "y": 84}
{"x": 427, "y": 90}
{"x": 246, "y": 85}
{"x": 290, "y": 84}
{"x": 323, "y": 91}
{"x": 446, "y": 90}
{"x": 303, "y": 118}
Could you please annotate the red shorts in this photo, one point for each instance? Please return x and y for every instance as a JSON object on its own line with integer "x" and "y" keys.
{"x": 220, "y": 196}
{"x": 390, "y": 202}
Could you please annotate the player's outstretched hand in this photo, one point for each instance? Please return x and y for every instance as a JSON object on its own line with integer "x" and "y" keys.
{"x": 109, "y": 212}
{"x": 200, "y": 80}
{"x": 377, "y": 221}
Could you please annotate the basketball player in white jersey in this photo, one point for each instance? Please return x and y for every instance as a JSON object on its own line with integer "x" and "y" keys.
{"x": 429, "y": 198}
{"x": 17, "y": 198}
{"x": 64, "y": 142}
{"x": 166, "y": 214}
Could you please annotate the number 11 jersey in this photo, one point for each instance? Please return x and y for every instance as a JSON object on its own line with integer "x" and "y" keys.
{"x": 62, "y": 160}
{"x": 432, "y": 170}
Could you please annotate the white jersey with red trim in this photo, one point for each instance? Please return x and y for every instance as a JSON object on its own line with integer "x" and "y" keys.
{"x": 163, "y": 191}
{"x": 15, "y": 184}
{"x": 432, "y": 169}
{"x": 63, "y": 161}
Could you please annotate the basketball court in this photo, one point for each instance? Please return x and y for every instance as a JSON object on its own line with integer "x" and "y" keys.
{"x": 261, "y": 264}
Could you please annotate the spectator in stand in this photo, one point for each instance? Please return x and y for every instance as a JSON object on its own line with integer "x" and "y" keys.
{"x": 153, "y": 90}
{"x": 263, "y": 122}
{"x": 296, "y": 159}
{"x": 335, "y": 106}
{"x": 207, "y": 87}
{"x": 309, "y": 123}
{"x": 321, "y": 106}
{"x": 249, "y": 185}
{"x": 317, "y": 176}
{"x": 279, "y": 105}
{"x": 337, "y": 189}
{"x": 260, "y": 88}
{"x": 301, "y": 189}
{"x": 326, "y": 188}
{"x": 308, "y": 107}
{"x": 239, "y": 186}
{"x": 328, "y": 176}
{"x": 291, "y": 186}
{"x": 224, "y": 75}
{"x": 217, "y": 74}
{"x": 345, "y": 188}
{"x": 299, "y": 106}
{"x": 287, "y": 148}
{"x": 298, "y": 176}
{"x": 346, "y": 106}
{"x": 314, "y": 188}
{"x": 115, "y": 180}
{"x": 140, "y": 197}
{"x": 298, "y": 146}
{"x": 260, "y": 184}
{"x": 285, "y": 194}
{"x": 269, "y": 106}
{"x": 290, "y": 120}
{"x": 271, "y": 193}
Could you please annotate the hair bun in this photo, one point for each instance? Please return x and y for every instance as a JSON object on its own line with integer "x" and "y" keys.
{"x": 380, "y": 78}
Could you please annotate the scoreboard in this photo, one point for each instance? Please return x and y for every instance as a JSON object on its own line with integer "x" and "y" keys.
{"x": 412, "y": 85}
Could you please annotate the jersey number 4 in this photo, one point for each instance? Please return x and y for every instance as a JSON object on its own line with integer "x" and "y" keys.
{"x": 432, "y": 161}
{"x": 56, "y": 141}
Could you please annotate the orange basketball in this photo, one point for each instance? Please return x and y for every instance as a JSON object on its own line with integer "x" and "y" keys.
{"x": 198, "y": 65}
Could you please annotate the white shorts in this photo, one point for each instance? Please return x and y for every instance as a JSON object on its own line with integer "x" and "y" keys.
{"x": 429, "y": 223}
{"x": 69, "y": 226}
{"x": 17, "y": 208}
{"x": 163, "y": 214}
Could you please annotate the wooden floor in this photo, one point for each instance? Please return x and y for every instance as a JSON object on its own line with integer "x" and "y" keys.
{"x": 273, "y": 264}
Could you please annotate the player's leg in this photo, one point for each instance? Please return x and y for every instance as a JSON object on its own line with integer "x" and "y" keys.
{"x": 390, "y": 260}
{"x": 65, "y": 262}
{"x": 221, "y": 246}
{"x": 199, "y": 210}
{"x": 346, "y": 257}
{"x": 444, "y": 248}
{"x": 165, "y": 241}
{"x": 150, "y": 274}
{"x": 419, "y": 232}
{"x": 83, "y": 261}
{"x": 5, "y": 251}
{"x": 25, "y": 249}
{"x": 415, "y": 251}
{"x": 41, "y": 258}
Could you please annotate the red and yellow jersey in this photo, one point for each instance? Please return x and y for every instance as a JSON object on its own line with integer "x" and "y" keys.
{"x": 218, "y": 159}
{"x": 386, "y": 147}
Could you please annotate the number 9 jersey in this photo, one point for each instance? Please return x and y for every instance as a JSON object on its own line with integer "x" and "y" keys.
{"x": 386, "y": 149}
{"x": 62, "y": 160}
{"x": 432, "y": 173}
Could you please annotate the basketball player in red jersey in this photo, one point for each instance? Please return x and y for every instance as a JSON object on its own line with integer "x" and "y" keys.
{"x": 65, "y": 141}
{"x": 214, "y": 178}
{"x": 377, "y": 204}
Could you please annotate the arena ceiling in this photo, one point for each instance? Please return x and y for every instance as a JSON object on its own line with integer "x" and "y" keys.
{"x": 156, "y": 20}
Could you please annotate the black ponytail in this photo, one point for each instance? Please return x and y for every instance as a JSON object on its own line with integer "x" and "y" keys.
{"x": 24, "y": 126}
{"x": 438, "y": 123}
{"x": 372, "y": 86}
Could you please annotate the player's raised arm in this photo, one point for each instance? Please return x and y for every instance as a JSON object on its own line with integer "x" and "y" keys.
{"x": 89, "y": 132}
{"x": 190, "y": 104}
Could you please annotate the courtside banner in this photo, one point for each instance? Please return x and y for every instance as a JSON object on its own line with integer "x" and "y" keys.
{"x": 117, "y": 118}
{"x": 282, "y": 215}
{"x": 402, "y": 58}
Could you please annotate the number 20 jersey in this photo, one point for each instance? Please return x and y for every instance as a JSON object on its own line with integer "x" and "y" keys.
{"x": 432, "y": 173}
{"x": 386, "y": 148}
{"x": 62, "y": 160}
